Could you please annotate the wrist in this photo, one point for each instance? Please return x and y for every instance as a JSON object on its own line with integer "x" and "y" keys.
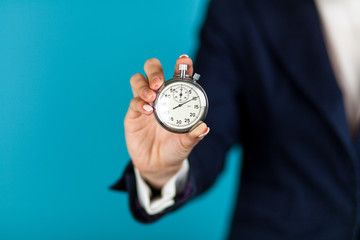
{"x": 158, "y": 178}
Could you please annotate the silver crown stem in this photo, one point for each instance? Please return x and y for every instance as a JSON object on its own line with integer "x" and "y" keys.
{"x": 183, "y": 69}
{"x": 196, "y": 77}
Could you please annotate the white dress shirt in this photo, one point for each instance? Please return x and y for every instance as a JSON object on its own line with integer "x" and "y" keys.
{"x": 341, "y": 28}
{"x": 174, "y": 186}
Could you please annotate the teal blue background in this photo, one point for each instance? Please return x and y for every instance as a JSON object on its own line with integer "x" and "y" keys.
{"x": 64, "y": 91}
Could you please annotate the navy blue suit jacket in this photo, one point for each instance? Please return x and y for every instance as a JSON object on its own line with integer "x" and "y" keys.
{"x": 271, "y": 88}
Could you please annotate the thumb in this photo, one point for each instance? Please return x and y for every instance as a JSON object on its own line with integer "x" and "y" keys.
{"x": 190, "y": 139}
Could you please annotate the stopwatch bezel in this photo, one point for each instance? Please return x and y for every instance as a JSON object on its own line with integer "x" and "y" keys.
{"x": 189, "y": 81}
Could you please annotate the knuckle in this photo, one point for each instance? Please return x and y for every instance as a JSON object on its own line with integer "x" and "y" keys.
{"x": 156, "y": 74}
{"x": 151, "y": 61}
{"x": 134, "y": 102}
{"x": 135, "y": 77}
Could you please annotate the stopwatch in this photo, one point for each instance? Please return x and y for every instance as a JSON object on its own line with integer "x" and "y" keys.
{"x": 181, "y": 102}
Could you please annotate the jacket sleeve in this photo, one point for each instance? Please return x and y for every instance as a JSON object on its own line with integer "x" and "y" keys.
{"x": 219, "y": 68}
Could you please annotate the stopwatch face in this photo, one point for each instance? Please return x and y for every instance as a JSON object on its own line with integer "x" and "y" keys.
{"x": 180, "y": 105}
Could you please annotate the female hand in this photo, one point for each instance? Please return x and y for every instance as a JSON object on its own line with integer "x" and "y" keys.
{"x": 157, "y": 153}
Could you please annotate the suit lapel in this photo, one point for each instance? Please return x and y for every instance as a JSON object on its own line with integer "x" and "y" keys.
{"x": 293, "y": 29}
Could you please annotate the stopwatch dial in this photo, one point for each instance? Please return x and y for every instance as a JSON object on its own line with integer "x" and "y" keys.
{"x": 181, "y": 94}
{"x": 183, "y": 112}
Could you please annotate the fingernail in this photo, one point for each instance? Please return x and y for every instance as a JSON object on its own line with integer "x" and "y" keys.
{"x": 205, "y": 133}
{"x": 184, "y": 56}
{"x": 147, "y": 108}
{"x": 146, "y": 91}
{"x": 149, "y": 94}
{"x": 156, "y": 82}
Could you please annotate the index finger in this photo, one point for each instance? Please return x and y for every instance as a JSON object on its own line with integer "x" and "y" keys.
{"x": 154, "y": 73}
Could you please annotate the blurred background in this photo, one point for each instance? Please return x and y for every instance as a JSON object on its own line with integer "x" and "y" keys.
{"x": 64, "y": 91}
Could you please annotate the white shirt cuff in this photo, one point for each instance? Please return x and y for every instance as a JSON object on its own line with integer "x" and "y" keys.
{"x": 175, "y": 185}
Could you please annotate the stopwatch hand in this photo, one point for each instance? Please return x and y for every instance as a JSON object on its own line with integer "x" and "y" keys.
{"x": 177, "y": 106}
{"x": 184, "y": 103}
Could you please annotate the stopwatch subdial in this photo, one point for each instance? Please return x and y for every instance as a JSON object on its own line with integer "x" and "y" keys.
{"x": 181, "y": 94}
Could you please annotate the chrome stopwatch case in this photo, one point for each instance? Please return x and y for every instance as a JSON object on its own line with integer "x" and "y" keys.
{"x": 181, "y": 103}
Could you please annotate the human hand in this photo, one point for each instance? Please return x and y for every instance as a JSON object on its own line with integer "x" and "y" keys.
{"x": 157, "y": 153}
